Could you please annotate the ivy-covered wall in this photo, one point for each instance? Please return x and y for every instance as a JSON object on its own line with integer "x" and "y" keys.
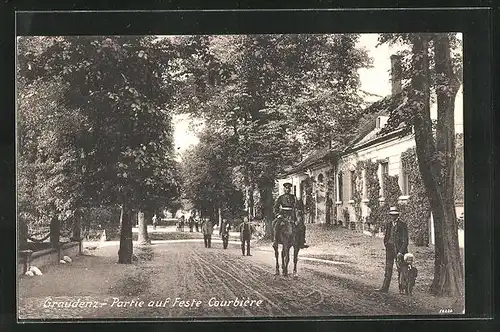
{"x": 309, "y": 200}
{"x": 331, "y": 216}
{"x": 372, "y": 192}
{"x": 358, "y": 192}
{"x": 380, "y": 214}
{"x": 416, "y": 212}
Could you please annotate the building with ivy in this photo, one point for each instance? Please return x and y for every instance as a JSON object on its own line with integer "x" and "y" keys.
{"x": 355, "y": 186}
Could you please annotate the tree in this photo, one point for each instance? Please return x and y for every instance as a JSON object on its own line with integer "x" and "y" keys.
{"x": 432, "y": 64}
{"x": 118, "y": 87}
{"x": 50, "y": 186}
{"x": 207, "y": 175}
{"x": 261, "y": 88}
{"x": 143, "y": 237}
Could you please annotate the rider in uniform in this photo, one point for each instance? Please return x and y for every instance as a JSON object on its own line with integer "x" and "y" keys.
{"x": 286, "y": 207}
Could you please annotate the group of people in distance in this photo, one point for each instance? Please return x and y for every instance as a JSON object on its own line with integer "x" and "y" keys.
{"x": 192, "y": 223}
{"x": 246, "y": 230}
{"x": 287, "y": 206}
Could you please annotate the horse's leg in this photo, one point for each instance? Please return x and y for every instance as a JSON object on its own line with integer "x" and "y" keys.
{"x": 296, "y": 249}
{"x": 283, "y": 266}
{"x": 286, "y": 258}
{"x": 276, "y": 256}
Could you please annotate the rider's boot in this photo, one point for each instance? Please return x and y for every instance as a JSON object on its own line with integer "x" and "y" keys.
{"x": 275, "y": 234}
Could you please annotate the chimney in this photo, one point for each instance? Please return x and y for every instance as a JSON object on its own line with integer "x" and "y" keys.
{"x": 396, "y": 74}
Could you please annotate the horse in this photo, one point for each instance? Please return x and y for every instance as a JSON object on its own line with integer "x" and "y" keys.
{"x": 288, "y": 237}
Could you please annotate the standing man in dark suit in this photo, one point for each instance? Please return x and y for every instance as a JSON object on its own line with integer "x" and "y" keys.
{"x": 207, "y": 228}
{"x": 396, "y": 245}
{"x": 246, "y": 231}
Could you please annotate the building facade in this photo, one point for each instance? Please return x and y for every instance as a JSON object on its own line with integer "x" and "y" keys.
{"x": 331, "y": 174}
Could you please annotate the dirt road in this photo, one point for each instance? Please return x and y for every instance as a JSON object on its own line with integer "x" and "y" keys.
{"x": 181, "y": 280}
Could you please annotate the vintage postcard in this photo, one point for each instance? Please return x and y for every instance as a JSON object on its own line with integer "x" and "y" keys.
{"x": 239, "y": 175}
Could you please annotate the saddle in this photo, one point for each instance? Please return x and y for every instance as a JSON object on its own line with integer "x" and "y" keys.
{"x": 282, "y": 221}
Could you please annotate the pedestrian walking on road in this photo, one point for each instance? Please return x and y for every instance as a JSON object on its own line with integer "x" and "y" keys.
{"x": 191, "y": 223}
{"x": 396, "y": 245}
{"x": 246, "y": 231}
{"x": 155, "y": 220}
{"x": 182, "y": 222}
{"x": 224, "y": 233}
{"x": 207, "y": 227}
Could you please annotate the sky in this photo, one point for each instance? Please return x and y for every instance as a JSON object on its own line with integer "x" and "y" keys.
{"x": 375, "y": 80}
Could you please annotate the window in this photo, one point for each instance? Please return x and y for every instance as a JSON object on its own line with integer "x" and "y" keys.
{"x": 340, "y": 187}
{"x": 353, "y": 184}
{"x": 320, "y": 178}
{"x": 385, "y": 168}
{"x": 405, "y": 184}
{"x": 294, "y": 190}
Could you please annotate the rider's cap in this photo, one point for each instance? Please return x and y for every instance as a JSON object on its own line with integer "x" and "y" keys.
{"x": 287, "y": 185}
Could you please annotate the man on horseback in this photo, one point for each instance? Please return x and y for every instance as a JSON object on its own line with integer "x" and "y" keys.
{"x": 285, "y": 207}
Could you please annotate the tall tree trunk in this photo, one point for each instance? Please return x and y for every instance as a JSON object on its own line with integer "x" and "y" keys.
{"x": 251, "y": 202}
{"x": 143, "y": 237}
{"x": 450, "y": 269}
{"x": 55, "y": 231}
{"x": 266, "y": 198}
{"x": 126, "y": 245}
{"x": 77, "y": 225}
{"x": 77, "y": 228}
{"x": 23, "y": 233}
{"x": 434, "y": 165}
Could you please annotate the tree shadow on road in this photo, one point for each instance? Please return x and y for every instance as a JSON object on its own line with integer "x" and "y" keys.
{"x": 417, "y": 304}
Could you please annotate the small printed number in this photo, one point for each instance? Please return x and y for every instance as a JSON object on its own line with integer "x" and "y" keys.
{"x": 445, "y": 311}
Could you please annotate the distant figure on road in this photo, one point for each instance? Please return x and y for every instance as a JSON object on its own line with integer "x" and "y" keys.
{"x": 197, "y": 225}
{"x": 182, "y": 221}
{"x": 191, "y": 223}
{"x": 224, "y": 233}
{"x": 246, "y": 231}
{"x": 155, "y": 220}
{"x": 396, "y": 245}
{"x": 207, "y": 227}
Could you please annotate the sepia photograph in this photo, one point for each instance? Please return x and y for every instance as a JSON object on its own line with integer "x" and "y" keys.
{"x": 239, "y": 176}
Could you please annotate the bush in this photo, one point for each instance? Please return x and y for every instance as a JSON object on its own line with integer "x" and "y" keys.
{"x": 416, "y": 212}
{"x": 98, "y": 219}
{"x": 416, "y": 218}
{"x": 373, "y": 189}
{"x": 391, "y": 198}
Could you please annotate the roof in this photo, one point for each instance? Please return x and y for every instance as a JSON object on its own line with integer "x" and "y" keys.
{"x": 382, "y": 107}
{"x": 314, "y": 157}
{"x": 367, "y": 124}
